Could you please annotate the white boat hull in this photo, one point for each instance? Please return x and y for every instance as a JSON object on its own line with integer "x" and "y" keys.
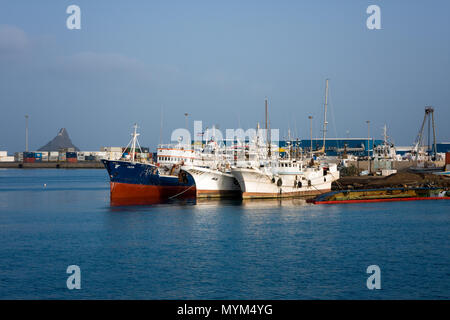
{"x": 256, "y": 183}
{"x": 212, "y": 183}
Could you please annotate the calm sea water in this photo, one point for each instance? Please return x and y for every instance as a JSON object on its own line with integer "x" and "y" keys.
{"x": 213, "y": 249}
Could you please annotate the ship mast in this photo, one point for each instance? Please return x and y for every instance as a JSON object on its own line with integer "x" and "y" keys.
{"x": 133, "y": 144}
{"x": 325, "y": 116}
{"x": 267, "y": 129}
{"x": 386, "y": 145}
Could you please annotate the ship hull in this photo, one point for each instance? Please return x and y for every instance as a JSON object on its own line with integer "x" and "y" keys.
{"x": 141, "y": 183}
{"x": 213, "y": 183}
{"x": 258, "y": 184}
{"x": 382, "y": 195}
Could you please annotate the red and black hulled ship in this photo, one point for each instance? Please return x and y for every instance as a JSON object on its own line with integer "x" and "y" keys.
{"x": 134, "y": 182}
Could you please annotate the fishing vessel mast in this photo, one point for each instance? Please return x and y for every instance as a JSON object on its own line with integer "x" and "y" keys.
{"x": 133, "y": 142}
{"x": 267, "y": 129}
{"x": 325, "y": 116}
{"x": 325, "y": 122}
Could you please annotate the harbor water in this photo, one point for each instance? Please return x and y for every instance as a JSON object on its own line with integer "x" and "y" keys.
{"x": 53, "y": 218}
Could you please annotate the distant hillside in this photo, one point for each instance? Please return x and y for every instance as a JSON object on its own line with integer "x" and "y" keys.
{"x": 61, "y": 141}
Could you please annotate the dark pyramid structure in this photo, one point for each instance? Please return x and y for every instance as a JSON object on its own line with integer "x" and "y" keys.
{"x": 61, "y": 141}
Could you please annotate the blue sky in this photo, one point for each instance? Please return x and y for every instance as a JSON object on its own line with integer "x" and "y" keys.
{"x": 218, "y": 60}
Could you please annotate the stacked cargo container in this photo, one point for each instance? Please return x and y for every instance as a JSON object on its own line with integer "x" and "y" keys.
{"x": 4, "y": 157}
{"x": 53, "y": 156}
{"x": 29, "y": 157}
{"x": 38, "y": 157}
{"x": 81, "y": 156}
{"x": 100, "y": 155}
{"x": 44, "y": 156}
{"x": 71, "y": 157}
{"x": 18, "y": 156}
{"x": 64, "y": 155}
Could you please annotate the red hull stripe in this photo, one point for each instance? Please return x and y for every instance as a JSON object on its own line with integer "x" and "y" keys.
{"x": 382, "y": 200}
{"x": 148, "y": 192}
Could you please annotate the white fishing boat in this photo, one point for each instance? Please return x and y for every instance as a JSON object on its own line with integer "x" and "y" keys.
{"x": 385, "y": 151}
{"x": 213, "y": 183}
{"x": 211, "y": 172}
{"x": 285, "y": 178}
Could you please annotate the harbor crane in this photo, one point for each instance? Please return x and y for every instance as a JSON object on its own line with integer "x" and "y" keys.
{"x": 431, "y": 150}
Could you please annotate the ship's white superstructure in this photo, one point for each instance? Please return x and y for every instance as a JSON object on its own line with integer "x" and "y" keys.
{"x": 170, "y": 157}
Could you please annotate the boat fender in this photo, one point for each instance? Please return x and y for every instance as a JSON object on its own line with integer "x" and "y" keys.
{"x": 299, "y": 184}
{"x": 279, "y": 182}
{"x": 309, "y": 183}
{"x": 273, "y": 180}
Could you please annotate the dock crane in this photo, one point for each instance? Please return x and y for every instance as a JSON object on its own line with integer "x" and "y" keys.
{"x": 429, "y": 114}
